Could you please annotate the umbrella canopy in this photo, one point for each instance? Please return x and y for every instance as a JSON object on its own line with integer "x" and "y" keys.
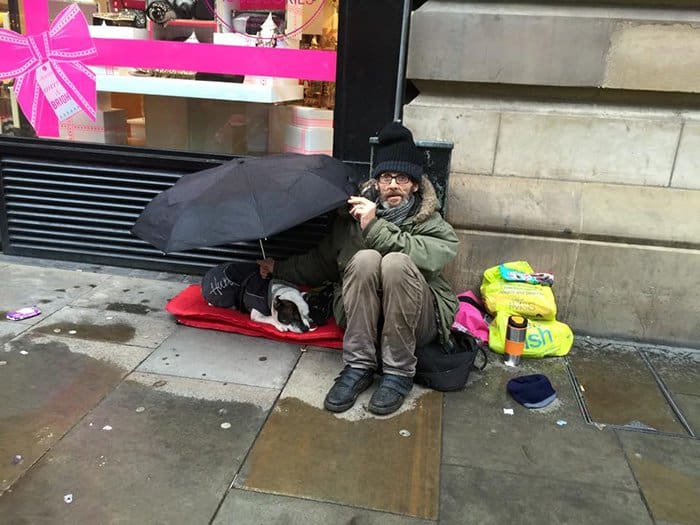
{"x": 244, "y": 200}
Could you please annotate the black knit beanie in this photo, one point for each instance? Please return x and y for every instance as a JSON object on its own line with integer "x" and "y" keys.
{"x": 532, "y": 391}
{"x": 396, "y": 151}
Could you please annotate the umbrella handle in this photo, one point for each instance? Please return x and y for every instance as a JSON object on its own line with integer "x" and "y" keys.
{"x": 262, "y": 248}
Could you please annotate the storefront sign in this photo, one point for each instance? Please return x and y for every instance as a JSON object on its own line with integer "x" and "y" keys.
{"x": 209, "y": 58}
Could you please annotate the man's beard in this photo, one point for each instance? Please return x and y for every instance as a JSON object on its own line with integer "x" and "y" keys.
{"x": 386, "y": 204}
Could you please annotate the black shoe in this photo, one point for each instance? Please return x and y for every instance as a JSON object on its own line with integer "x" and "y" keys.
{"x": 390, "y": 394}
{"x": 348, "y": 385}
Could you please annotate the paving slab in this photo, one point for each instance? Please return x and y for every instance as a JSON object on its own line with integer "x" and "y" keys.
{"x": 106, "y": 327}
{"x": 388, "y": 463}
{"x": 315, "y": 374}
{"x": 668, "y": 472}
{"x": 678, "y": 368}
{"x": 132, "y": 295}
{"x": 244, "y": 507}
{"x": 477, "y": 432}
{"x": 483, "y": 497}
{"x": 98, "y": 268}
{"x": 47, "y": 385}
{"x": 168, "y": 463}
{"x": 690, "y": 408}
{"x": 224, "y": 356}
{"x": 9, "y": 331}
{"x": 620, "y": 389}
{"x": 46, "y": 288}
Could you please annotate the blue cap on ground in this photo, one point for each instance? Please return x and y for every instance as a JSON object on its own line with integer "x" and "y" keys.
{"x": 533, "y": 391}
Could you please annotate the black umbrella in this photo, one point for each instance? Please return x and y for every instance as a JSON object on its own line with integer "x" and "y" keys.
{"x": 244, "y": 200}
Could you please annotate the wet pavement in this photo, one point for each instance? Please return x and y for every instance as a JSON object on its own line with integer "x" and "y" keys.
{"x": 113, "y": 413}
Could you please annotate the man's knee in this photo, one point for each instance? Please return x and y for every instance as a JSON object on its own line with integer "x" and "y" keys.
{"x": 365, "y": 262}
{"x": 396, "y": 266}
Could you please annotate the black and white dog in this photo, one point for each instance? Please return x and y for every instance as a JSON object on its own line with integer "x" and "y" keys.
{"x": 272, "y": 301}
{"x": 289, "y": 310}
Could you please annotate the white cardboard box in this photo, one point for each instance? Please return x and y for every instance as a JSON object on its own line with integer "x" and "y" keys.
{"x": 308, "y": 117}
{"x": 308, "y": 140}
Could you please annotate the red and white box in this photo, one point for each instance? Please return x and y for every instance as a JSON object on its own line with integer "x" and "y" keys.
{"x": 308, "y": 117}
{"x": 308, "y": 140}
{"x": 109, "y": 127}
{"x": 309, "y": 131}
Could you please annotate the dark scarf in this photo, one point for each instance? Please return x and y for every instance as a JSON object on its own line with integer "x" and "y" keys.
{"x": 398, "y": 214}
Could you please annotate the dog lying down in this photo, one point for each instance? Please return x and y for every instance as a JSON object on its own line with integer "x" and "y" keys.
{"x": 289, "y": 310}
{"x": 270, "y": 301}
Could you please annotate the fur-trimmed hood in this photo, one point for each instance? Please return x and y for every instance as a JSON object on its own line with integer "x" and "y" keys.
{"x": 426, "y": 198}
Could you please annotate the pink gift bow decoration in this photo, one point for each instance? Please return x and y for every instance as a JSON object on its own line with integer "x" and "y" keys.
{"x": 61, "y": 49}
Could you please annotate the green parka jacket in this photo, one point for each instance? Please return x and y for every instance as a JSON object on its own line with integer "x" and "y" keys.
{"x": 424, "y": 236}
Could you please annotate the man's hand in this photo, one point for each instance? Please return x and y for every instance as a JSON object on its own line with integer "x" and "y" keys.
{"x": 267, "y": 266}
{"x": 364, "y": 210}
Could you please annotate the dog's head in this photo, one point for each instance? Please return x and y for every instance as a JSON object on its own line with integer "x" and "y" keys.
{"x": 287, "y": 312}
{"x": 290, "y": 308}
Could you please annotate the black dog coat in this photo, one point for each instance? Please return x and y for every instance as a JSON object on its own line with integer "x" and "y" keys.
{"x": 237, "y": 285}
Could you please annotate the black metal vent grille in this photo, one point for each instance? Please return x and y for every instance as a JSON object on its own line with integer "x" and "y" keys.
{"x": 79, "y": 202}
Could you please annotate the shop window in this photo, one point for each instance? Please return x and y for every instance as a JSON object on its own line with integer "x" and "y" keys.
{"x": 245, "y": 77}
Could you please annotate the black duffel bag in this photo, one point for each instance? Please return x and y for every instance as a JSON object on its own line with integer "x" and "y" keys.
{"x": 448, "y": 369}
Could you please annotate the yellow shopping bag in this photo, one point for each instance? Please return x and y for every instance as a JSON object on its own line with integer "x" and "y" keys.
{"x": 542, "y": 338}
{"x": 534, "y": 301}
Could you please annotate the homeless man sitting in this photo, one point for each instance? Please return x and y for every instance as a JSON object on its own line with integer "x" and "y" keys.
{"x": 386, "y": 257}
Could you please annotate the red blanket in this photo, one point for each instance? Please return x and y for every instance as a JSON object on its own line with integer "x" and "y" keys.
{"x": 190, "y": 308}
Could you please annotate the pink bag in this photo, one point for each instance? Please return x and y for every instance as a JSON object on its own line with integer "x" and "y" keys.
{"x": 471, "y": 316}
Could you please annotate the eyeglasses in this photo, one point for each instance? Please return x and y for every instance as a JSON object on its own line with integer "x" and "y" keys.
{"x": 401, "y": 178}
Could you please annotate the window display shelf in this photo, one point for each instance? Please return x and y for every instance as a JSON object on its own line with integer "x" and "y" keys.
{"x": 176, "y": 87}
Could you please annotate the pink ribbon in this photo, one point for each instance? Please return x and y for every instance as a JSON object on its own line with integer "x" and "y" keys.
{"x": 60, "y": 52}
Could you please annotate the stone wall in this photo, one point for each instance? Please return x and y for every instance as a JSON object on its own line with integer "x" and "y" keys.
{"x": 577, "y": 148}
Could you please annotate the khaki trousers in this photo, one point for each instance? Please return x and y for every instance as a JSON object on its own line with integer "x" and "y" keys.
{"x": 392, "y": 288}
